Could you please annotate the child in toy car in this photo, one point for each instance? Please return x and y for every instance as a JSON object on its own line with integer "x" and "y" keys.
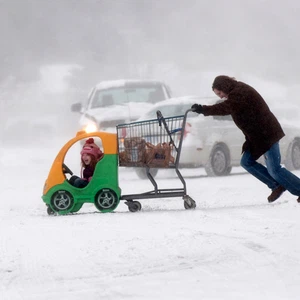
{"x": 90, "y": 155}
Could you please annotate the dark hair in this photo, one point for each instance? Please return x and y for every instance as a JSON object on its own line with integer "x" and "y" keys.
{"x": 224, "y": 83}
{"x": 92, "y": 163}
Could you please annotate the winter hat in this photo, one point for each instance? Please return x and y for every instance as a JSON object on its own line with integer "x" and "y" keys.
{"x": 91, "y": 148}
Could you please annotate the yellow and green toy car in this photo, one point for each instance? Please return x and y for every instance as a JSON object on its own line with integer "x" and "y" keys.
{"x": 103, "y": 189}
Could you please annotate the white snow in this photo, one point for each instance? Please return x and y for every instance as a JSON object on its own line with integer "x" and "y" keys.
{"x": 234, "y": 245}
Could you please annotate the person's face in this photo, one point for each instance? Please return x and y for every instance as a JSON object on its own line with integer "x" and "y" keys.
{"x": 86, "y": 158}
{"x": 220, "y": 94}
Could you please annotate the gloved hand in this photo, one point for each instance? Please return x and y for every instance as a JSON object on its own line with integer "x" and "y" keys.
{"x": 197, "y": 108}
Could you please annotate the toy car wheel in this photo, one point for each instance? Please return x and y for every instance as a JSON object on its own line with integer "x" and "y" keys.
{"x": 134, "y": 206}
{"x": 189, "y": 203}
{"x": 62, "y": 201}
{"x": 106, "y": 200}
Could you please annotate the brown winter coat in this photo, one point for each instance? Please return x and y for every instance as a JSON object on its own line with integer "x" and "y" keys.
{"x": 252, "y": 115}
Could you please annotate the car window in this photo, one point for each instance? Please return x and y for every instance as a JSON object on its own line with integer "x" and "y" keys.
{"x": 122, "y": 95}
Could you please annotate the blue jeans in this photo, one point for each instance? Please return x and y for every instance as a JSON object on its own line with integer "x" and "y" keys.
{"x": 78, "y": 182}
{"x": 274, "y": 174}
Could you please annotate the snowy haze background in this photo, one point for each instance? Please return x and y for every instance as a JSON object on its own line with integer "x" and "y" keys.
{"x": 234, "y": 245}
{"x": 54, "y": 52}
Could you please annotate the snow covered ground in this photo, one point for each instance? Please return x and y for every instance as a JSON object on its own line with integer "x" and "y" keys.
{"x": 234, "y": 245}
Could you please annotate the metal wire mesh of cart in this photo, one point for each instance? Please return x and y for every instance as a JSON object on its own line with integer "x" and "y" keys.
{"x": 153, "y": 143}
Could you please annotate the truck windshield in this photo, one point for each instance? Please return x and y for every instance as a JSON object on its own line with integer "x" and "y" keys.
{"x": 125, "y": 94}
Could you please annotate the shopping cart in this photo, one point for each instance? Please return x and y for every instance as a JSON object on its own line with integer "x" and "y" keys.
{"x": 150, "y": 144}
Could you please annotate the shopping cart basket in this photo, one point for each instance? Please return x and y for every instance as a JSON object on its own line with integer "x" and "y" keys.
{"x": 150, "y": 144}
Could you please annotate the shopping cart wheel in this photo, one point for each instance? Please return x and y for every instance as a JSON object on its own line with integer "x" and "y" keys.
{"x": 189, "y": 203}
{"x": 133, "y": 206}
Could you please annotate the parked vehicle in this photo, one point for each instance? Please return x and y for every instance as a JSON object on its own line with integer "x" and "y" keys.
{"x": 120, "y": 101}
{"x": 214, "y": 142}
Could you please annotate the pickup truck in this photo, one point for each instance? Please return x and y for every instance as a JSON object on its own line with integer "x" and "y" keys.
{"x": 119, "y": 101}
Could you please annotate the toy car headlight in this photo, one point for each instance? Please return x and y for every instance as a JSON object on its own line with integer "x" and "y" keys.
{"x": 90, "y": 127}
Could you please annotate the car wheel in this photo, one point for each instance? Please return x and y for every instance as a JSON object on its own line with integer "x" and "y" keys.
{"x": 106, "y": 200}
{"x": 219, "y": 162}
{"x": 142, "y": 174}
{"x": 62, "y": 202}
{"x": 293, "y": 158}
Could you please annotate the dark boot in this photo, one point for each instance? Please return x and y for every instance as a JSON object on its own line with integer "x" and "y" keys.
{"x": 276, "y": 194}
{"x": 298, "y": 199}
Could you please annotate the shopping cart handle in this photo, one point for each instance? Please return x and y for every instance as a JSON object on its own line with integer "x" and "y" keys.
{"x": 159, "y": 114}
{"x": 159, "y": 117}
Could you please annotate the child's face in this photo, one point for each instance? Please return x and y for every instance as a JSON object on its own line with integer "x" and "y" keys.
{"x": 86, "y": 158}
